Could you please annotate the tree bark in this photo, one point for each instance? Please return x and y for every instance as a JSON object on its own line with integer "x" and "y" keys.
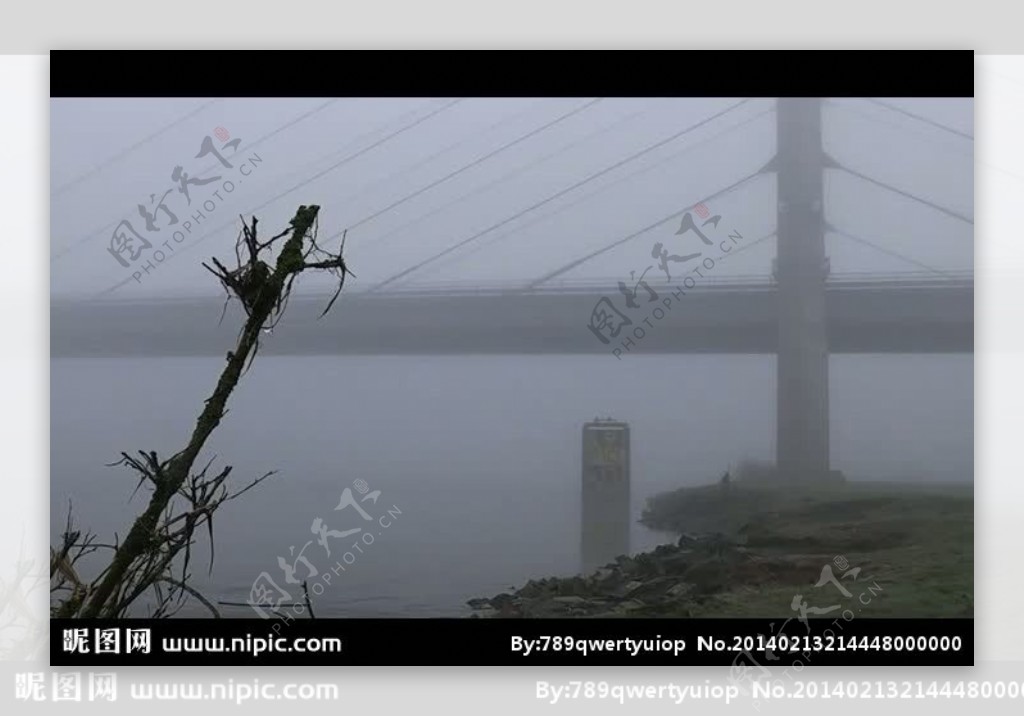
{"x": 177, "y": 469}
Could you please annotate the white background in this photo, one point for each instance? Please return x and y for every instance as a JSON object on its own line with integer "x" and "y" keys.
{"x": 24, "y": 289}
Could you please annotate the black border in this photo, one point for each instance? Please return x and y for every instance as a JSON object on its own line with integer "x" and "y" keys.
{"x": 512, "y": 73}
{"x": 474, "y": 642}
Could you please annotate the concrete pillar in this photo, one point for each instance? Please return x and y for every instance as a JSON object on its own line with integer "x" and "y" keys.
{"x": 605, "y": 519}
{"x": 802, "y": 443}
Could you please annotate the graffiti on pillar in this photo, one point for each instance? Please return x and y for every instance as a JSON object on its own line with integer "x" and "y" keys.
{"x": 606, "y": 455}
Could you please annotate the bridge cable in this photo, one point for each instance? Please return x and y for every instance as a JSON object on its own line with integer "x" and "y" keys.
{"x": 558, "y": 194}
{"x": 919, "y": 118}
{"x": 901, "y": 192}
{"x": 749, "y": 245}
{"x": 112, "y": 223}
{"x": 844, "y": 107}
{"x": 444, "y": 107}
{"x": 643, "y": 170}
{"x": 128, "y": 150}
{"x": 477, "y": 161}
{"x": 477, "y": 189}
{"x": 444, "y": 150}
{"x": 618, "y": 242}
{"x": 888, "y": 252}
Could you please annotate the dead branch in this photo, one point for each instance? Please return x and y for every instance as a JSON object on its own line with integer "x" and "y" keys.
{"x": 156, "y": 553}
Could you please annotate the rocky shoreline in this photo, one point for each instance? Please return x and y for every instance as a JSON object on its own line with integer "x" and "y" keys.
{"x": 752, "y": 550}
{"x": 668, "y": 581}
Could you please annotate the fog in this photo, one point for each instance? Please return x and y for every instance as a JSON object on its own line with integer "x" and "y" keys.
{"x": 478, "y": 450}
{"x": 96, "y": 184}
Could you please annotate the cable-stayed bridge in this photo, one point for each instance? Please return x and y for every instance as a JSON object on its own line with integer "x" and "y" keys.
{"x": 801, "y": 312}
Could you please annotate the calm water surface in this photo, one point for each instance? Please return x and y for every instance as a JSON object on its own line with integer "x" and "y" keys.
{"x": 476, "y": 457}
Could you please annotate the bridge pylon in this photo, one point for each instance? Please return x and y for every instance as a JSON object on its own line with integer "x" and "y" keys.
{"x": 802, "y": 427}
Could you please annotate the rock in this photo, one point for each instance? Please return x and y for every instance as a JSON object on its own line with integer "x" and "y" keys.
{"x": 503, "y": 600}
{"x": 630, "y": 587}
{"x": 707, "y": 577}
{"x": 630, "y": 605}
{"x": 626, "y": 565}
{"x": 573, "y": 586}
{"x": 681, "y": 589}
{"x": 687, "y": 539}
{"x": 573, "y": 600}
{"x": 533, "y": 588}
{"x": 661, "y": 582}
{"x": 652, "y": 588}
{"x": 610, "y": 582}
{"x": 678, "y": 561}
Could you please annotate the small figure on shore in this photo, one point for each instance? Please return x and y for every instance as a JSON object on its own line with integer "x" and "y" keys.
{"x": 725, "y": 481}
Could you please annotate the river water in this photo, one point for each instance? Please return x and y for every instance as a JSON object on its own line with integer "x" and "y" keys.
{"x": 476, "y": 458}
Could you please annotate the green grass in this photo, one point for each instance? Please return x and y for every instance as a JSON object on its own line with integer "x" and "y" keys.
{"x": 914, "y": 546}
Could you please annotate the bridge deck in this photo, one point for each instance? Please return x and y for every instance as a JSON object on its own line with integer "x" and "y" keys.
{"x": 863, "y": 317}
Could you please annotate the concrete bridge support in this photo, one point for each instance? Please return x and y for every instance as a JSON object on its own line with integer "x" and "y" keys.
{"x": 802, "y": 438}
{"x": 605, "y": 517}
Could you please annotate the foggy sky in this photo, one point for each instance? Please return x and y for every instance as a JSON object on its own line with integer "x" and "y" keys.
{"x": 105, "y": 160}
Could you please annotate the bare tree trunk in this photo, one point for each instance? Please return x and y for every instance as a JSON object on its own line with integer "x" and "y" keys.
{"x": 270, "y": 290}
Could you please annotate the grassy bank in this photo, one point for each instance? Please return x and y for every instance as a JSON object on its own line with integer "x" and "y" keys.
{"x": 876, "y": 549}
{"x": 915, "y": 543}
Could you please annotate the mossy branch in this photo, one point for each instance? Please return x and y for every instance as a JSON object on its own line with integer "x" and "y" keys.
{"x": 144, "y": 559}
